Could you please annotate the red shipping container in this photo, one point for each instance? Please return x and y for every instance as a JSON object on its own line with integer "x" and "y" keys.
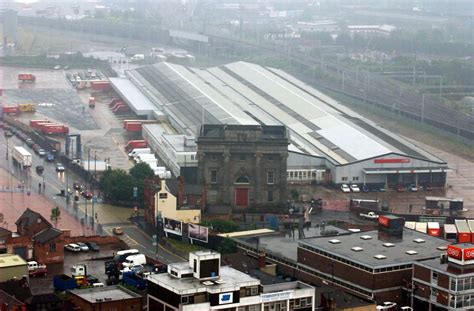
{"x": 54, "y": 129}
{"x": 133, "y": 127}
{"x": 464, "y": 237}
{"x": 115, "y": 101}
{"x": 101, "y": 85}
{"x": 133, "y": 144}
{"x": 26, "y": 77}
{"x": 464, "y": 233}
{"x": 10, "y": 109}
{"x": 34, "y": 123}
{"x": 120, "y": 108}
{"x": 118, "y": 105}
{"x": 470, "y": 223}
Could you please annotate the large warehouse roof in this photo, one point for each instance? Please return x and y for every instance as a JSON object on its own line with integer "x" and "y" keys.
{"x": 245, "y": 93}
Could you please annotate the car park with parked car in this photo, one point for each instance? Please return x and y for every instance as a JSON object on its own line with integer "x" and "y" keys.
{"x": 83, "y": 246}
{"x": 72, "y": 247}
{"x": 93, "y": 246}
{"x": 345, "y": 188}
{"x": 354, "y": 188}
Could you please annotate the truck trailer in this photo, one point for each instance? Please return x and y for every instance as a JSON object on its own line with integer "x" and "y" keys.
{"x": 22, "y": 156}
{"x": 26, "y": 77}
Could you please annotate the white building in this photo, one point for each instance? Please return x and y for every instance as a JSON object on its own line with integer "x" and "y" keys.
{"x": 202, "y": 284}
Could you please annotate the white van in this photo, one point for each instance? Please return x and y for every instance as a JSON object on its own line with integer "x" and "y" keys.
{"x": 138, "y": 151}
{"x": 134, "y": 260}
{"x": 120, "y": 256}
{"x": 144, "y": 157}
{"x": 32, "y": 265}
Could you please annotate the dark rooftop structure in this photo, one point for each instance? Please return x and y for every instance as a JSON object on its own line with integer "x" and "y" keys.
{"x": 375, "y": 249}
{"x": 29, "y": 217}
{"x": 47, "y": 235}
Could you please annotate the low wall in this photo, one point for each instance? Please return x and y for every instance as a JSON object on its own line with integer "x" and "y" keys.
{"x": 99, "y": 240}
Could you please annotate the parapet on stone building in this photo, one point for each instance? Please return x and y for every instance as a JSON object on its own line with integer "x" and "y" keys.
{"x": 243, "y": 165}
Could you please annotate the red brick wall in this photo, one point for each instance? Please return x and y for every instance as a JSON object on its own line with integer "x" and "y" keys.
{"x": 132, "y": 304}
{"x": 99, "y": 240}
{"x": 44, "y": 255}
{"x": 443, "y": 298}
{"x": 422, "y": 290}
{"x": 443, "y": 280}
{"x": 32, "y": 229}
{"x": 422, "y": 273}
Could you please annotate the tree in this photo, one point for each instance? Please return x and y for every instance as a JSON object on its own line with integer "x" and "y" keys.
{"x": 117, "y": 185}
{"x": 140, "y": 172}
{"x": 55, "y": 215}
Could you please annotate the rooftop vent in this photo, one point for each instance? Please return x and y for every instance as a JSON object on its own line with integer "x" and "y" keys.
{"x": 334, "y": 241}
{"x": 442, "y": 248}
{"x": 353, "y": 230}
{"x": 366, "y": 237}
{"x": 107, "y": 299}
{"x": 219, "y": 281}
{"x": 208, "y": 283}
{"x": 357, "y": 249}
{"x": 410, "y": 252}
{"x": 419, "y": 241}
{"x": 99, "y": 300}
{"x": 388, "y": 244}
{"x": 380, "y": 257}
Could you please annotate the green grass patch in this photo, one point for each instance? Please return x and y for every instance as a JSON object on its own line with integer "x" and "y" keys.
{"x": 183, "y": 247}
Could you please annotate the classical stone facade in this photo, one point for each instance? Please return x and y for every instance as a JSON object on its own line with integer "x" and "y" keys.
{"x": 243, "y": 165}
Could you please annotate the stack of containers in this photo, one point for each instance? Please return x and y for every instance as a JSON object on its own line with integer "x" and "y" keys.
{"x": 464, "y": 233}
{"x": 391, "y": 224}
{"x": 450, "y": 232}
{"x": 433, "y": 229}
{"x": 421, "y": 227}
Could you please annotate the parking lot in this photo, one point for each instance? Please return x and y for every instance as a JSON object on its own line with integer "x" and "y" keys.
{"x": 95, "y": 262}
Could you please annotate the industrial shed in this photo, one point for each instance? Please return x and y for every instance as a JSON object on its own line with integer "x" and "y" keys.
{"x": 328, "y": 141}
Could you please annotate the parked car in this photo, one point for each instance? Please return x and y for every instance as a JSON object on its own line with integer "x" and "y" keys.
{"x": 117, "y": 230}
{"x": 354, "y": 188}
{"x": 41, "y": 152}
{"x": 369, "y": 215}
{"x": 60, "y": 167}
{"x": 72, "y": 247}
{"x": 83, "y": 246}
{"x": 39, "y": 169}
{"x": 8, "y": 134}
{"x": 365, "y": 188}
{"x": 93, "y": 246}
{"x": 29, "y": 142}
{"x": 414, "y": 188}
{"x": 401, "y": 188}
{"x": 345, "y": 188}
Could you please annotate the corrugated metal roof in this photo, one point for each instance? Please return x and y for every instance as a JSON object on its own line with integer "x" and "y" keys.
{"x": 245, "y": 93}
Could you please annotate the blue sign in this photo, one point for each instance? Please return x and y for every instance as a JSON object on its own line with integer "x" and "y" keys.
{"x": 226, "y": 298}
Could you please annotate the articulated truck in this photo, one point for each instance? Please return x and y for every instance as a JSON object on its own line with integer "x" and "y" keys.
{"x": 22, "y": 156}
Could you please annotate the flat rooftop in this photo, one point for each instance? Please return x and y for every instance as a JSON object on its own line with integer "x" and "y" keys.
{"x": 449, "y": 268}
{"x": 109, "y": 292}
{"x": 250, "y": 94}
{"x": 231, "y": 278}
{"x": 133, "y": 95}
{"x": 283, "y": 244}
{"x": 372, "y": 243}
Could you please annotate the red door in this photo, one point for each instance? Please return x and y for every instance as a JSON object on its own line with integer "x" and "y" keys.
{"x": 241, "y": 196}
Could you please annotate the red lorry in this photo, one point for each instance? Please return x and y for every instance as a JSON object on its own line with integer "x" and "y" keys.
{"x": 36, "y": 123}
{"x": 52, "y": 128}
{"x": 101, "y": 85}
{"x": 133, "y": 126}
{"x": 134, "y": 144}
{"x": 10, "y": 109}
{"x": 26, "y": 77}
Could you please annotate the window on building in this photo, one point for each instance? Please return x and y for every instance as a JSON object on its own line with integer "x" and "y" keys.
{"x": 355, "y": 178}
{"x": 242, "y": 157}
{"x": 185, "y": 300}
{"x": 193, "y": 157}
{"x": 213, "y": 174}
{"x": 434, "y": 277}
{"x": 195, "y": 264}
{"x": 52, "y": 247}
{"x": 163, "y": 195}
{"x": 344, "y": 178}
{"x": 270, "y": 195}
{"x": 214, "y": 157}
{"x": 434, "y": 295}
{"x": 270, "y": 157}
{"x": 270, "y": 177}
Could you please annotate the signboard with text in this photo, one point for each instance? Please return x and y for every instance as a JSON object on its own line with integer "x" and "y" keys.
{"x": 391, "y": 160}
{"x": 226, "y": 298}
{"x": 276, "y": 296}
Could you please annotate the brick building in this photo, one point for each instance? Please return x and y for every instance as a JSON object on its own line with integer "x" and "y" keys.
{"x": 373, "y": 265}
{"x": 445, "y": 283}
{"x": 35, "y": 239}
{"x": 243, "y": 165}
{"x": 115, "y": 298}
